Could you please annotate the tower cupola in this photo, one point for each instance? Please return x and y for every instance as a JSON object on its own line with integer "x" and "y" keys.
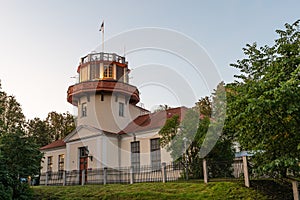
{"x": 102, "y": 73}
{"x": 102, "y": 94}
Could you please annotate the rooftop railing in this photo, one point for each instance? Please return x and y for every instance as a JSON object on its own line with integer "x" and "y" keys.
{"x": 103, "y": 57}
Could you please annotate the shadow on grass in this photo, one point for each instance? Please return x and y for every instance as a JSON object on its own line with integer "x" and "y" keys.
{"x": 273, "y": 189}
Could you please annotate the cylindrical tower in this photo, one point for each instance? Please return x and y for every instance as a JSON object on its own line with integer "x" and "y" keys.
{"x": 104, "y": 98}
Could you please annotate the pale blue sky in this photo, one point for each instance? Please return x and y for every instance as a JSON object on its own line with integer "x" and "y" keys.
{"x": 42, "y": 41}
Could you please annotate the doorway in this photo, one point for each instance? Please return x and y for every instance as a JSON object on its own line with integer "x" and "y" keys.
{"x": 83, "y": 163}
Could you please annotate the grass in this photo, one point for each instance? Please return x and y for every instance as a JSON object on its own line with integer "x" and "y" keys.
{"x": 155, "y": 191}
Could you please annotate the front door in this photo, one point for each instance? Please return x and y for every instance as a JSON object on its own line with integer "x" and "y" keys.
{"x": 83, "y": 159}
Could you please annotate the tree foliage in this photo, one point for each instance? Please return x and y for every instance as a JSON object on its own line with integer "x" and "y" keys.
{"x": 169, "y": 130}
{"x": 11, "y": 115}
{"x": 264, "y": 108}
{"x": 60, "y": 125}
{"x": 19, "y": 155}
{"x": 56, "y": 126}
{"x": 197, "y": 131}
{"x": 162, "y": 107}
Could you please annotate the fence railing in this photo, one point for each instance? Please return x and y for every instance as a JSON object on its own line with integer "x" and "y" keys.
{"x": 167, "y": 172}
{"x": 212, "y": 171}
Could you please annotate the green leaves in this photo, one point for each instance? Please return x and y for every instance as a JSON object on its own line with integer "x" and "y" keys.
{"x": 55, "y": 126}
{"x": 169, "y": 130}
{"x": 264, "y": 108}
{"x": 19, "y": 154}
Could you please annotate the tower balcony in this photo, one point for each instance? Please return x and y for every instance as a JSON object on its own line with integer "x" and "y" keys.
{"x": 102, "y": 86}
{"x": 103, "y": 66}
{"x": 101, "y": 56}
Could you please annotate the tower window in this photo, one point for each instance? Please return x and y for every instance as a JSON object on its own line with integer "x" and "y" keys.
{"x": 95, "y": 71}
{"x": 121, "y": 109}
{"x": 83, "y": 110}
{"x": 83, "y": 74}
{"x": 108, "y": 71}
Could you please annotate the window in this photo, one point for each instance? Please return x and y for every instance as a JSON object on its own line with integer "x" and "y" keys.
{"x": 61, "y": 163}
{"x": 49, "y": 163}
{"x": 120, "y": 74}
{"x": 155, "y": 154}
{"x": 108, "y": 71}
{"x": 95, "y": 71}
{"x": 135, "y": 155}
{"x": 83, "y": 110}
{"x": 83, "y": 152}
{"x": 83, "y": 74}
{"x": 121, "y": 109}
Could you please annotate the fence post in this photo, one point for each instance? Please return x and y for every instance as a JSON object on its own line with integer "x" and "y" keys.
{"x": 131, "y": 175}
{"x": 78, "y": 177}
{"x": 64, "y": 178}
{"x": 295, "y": 190}
{"x": 46, "y": 181}
{"x": 246, "y": 175}
{"x": 205, "y": 171}
{"x": 104, "y": 175}
{"x": 164, "y": 172}
{"x": 29, "y": 180}
{"x": 83, "y": 177}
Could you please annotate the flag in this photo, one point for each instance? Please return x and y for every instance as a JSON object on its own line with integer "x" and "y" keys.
{"x": 102, "y": 27}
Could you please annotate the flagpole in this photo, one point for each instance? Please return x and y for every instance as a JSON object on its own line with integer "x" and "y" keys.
{"x": 103, "y": 40}
{"x": 102, "y": 30}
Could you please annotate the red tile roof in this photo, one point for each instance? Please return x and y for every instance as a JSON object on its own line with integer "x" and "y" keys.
{"x": 55, "y": 144}
{"x": 153, "y": 120}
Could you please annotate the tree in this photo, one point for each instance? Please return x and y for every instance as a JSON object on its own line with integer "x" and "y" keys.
{"x": 60, "y": 125}
{"x": 11, "y": 116}
{"x": 162, "y": 107}
{"x": 204, "y": 106}
{"x": 169, "y": 130}
{"x": 198, "y": 136}
{"x": 38, "y": 130}
{"x": 19, "y": 156}
{"x": 264, "y": 109}
{"x": 55, "y": 126}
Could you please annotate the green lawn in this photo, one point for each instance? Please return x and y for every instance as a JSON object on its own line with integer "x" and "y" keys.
{"x": 157, "y": 191}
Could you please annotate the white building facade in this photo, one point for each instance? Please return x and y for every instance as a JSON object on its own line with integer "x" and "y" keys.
{"x": 112, "y": 131}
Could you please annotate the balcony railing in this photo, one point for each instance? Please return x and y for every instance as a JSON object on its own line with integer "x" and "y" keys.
{"x": 103, "y": 57}
{"x": 98, "y": 86}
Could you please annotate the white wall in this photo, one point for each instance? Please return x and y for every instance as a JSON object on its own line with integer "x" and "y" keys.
{"x": 105, "y": 114}
{"x": 144, "y": 139}
{"x": 54, "y": 153}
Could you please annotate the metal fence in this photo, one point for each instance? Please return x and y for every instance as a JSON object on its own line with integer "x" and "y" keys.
{"x": 167, "y": 172}
{"x": 216, "y": 171}
{"x": 234, "y": 170}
